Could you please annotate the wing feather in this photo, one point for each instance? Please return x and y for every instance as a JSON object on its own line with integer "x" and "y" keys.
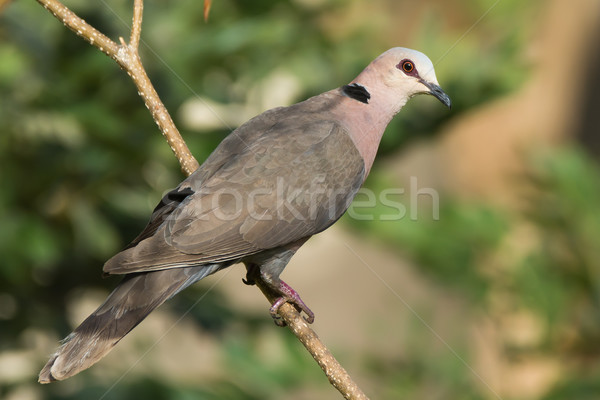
{"x": 289, "y": 183}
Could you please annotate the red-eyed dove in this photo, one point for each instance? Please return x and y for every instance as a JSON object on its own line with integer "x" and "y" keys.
{"x": 270, "y": 185}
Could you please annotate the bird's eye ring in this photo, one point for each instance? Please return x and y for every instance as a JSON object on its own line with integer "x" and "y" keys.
{"x": 408, "y": 67}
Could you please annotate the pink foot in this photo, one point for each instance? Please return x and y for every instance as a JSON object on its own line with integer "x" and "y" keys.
{"x": 289, "y": 295}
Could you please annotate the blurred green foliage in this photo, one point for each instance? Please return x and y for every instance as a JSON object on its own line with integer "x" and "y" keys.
{"x": 563, "y": 282}
{"x": 477, "y": 227}
{"x": 555, "y": 275}
{"x": 82, "y": 166}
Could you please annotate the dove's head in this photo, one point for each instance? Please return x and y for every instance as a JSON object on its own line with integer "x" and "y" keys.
{"x": 403, "y": 73}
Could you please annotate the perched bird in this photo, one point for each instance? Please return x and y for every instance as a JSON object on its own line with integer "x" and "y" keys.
{"x": 270, "y": 185}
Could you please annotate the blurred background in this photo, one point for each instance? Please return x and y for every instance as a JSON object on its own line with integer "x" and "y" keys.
{"x": 498, "y": 298}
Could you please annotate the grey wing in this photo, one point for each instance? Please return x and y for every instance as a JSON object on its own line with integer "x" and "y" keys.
{"x": 279, "y": 190}
{"x": 236, "y": 143}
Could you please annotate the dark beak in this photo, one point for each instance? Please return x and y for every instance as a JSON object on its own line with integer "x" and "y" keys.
{"x": 438, "y": 93}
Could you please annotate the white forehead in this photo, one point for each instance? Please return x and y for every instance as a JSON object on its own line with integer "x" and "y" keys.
{"x": 422, "y": 62}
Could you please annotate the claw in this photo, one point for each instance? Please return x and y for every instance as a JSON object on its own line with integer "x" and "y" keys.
{"x": 274, "y": 310}
{"x": 250, "y": 275}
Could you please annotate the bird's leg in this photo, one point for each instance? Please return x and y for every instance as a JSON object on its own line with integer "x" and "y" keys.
{"x": 267, "y": 268}
{"x": 285, "y": 294}
{"x": 289, "y": 295}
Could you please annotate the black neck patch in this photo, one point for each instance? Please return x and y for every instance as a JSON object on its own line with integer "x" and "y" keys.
{"x": 356, "y": 92}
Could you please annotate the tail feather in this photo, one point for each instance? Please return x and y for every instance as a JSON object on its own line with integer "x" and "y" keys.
{"x": 131, "y": 301}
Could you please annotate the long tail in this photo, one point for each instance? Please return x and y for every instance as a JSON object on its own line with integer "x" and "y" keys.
{"x": 131, "y": 301}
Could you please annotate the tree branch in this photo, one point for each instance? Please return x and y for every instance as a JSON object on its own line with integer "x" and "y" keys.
{"x": 337, "y": 375}
{"x": 126, "y": 55}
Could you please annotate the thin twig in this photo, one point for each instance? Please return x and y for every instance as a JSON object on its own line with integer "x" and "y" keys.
{"x": 81, "y": 28}
{"x": 136, "y": 26}
{"x": 207, "y": 4}
{"x": 128, "y": 58}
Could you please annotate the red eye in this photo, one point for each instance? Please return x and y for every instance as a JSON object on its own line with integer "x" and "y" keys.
{"x": 408, "y": 67}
